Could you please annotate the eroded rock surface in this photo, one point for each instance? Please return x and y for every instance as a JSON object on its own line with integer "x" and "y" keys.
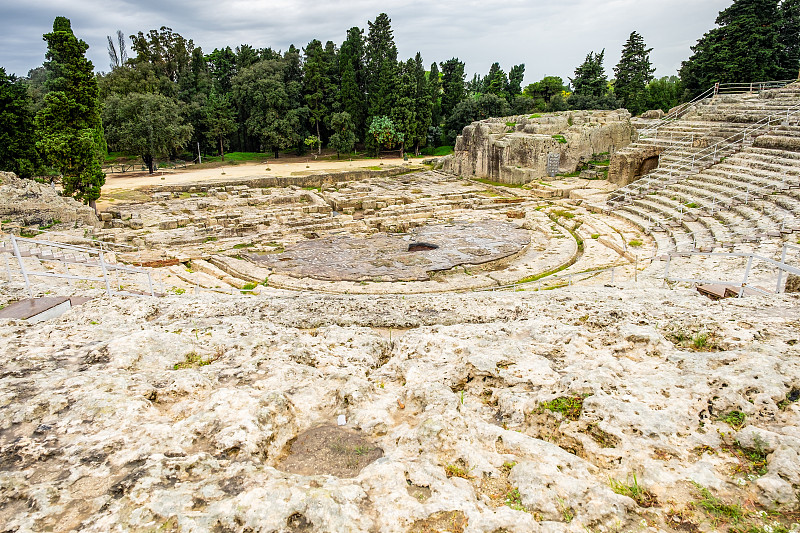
{"x": 412, "y": 257}
{"x": 177, "y": 413}
{"x": 26, "y": 202}
{"x": 514, "y": 149}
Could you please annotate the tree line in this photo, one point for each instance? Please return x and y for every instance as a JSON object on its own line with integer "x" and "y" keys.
{"x": 168, "y": 98}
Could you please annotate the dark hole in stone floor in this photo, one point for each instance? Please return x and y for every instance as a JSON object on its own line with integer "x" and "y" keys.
{"x": 421, "y": 247}
{"x": 330, "y": 450}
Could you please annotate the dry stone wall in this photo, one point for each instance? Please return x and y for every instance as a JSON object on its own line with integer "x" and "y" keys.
{"x": 514, "y": 149}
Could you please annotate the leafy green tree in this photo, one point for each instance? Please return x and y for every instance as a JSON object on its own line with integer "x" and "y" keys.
{"x": 343, "y": 139}
{"x": 546, "y": 89}
{"x": 745, "y": 47}
{"x": 17, "y": 136}
{"x": 150, "y": 125}
{"x": 352, "y": 94}
{"x": 515, "y": 77}
{"x": 453, "y": 88}
{"x": 168, "y": 52}
{"x": 381, "y": 66}
{"x": 664, "y": 93}
{"x": 246, "y": 56}
{"x": 590, "y": 77}
{"x": 383, "y": 133}
{"x": 69, "y": 131}
{"x": 472, "y": 109}
{"x": 222, "y": 66}
{"x": 264, "y": 103}
{"x": 219, "y": 120}
{"x": 317, "y": 85}
{"x": 633, "y": 73}
{"x": 496, "y": 82}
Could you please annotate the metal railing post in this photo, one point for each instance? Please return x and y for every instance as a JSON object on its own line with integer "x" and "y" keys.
{"x": 21, "y": 266}
{"x": 780, "y": 271}
{"x": 150, "y": 283}
{"x": 746, "y": 275}
{"x": 105, "y": 272}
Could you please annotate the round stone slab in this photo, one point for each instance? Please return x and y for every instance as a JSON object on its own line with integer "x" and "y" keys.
{"x": 408, "y": 257}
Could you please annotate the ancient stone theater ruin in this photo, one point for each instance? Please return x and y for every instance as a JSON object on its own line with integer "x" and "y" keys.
{"x": 579, "y": 321}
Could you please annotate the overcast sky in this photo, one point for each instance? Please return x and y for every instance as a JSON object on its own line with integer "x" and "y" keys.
{"x": 550, "y": 37}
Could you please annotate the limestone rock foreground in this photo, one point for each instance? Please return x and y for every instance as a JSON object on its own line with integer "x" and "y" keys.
{"x": 514, "y": 149}
{"x": 25, "y": 202}
{"x": 475, "y": 412}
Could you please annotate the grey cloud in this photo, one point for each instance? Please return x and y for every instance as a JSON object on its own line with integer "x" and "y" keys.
{"x": 551, "y": 37}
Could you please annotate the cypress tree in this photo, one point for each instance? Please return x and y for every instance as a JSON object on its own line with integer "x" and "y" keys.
{"x": 404, "y": 109}
{"x": 424, "y": 106}
{"x": 496, "y": 82}
{"x": 351, "y": 69}
{"x": 381, "y": 64}
{"x": 515, "y": 77}
{"x": 789, "y": 38}
{"x": 633, "y": 73}
{"x": 69, "y": 128}
{"x": 435, "y": 93}
{"x": 453, "y": 88}
{"x": 316, "y": 85}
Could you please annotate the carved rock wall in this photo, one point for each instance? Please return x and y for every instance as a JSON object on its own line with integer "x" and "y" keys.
{"x": 514, "y": 149}
{"x": 28, "y": 202}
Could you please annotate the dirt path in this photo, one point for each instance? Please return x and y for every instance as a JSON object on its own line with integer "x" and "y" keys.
{"x": 240, "y": 170}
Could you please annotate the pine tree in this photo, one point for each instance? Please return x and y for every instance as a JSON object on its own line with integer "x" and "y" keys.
{"x": 69, "y": 129}
{"x": 590, "y": 77}
{"x": 743, "y": 48}
{"x": 381, "y": 66}
{"x": 351, "y": 71}
{"x": 633, "y": 73}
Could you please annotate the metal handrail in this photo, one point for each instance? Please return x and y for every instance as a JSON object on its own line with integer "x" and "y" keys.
{"x": 709, "y": 151}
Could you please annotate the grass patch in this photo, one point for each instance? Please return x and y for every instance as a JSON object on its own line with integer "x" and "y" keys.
{"x": 498, "y": 184}
{"x": 243, "y": 245}
{"x": 635, "y": 243}
{"x": 692, "y": 205}
{"x": 560, "y": 138}
{"x": 194, "y": 360}
{"x": 235, "y": 157}
{"x": 50, "y": 224}
{"x": 535, "y": 115}
{"x": 734, "y": 419}
{"x": 437, "y": 152}
{"x": 639, "y": 494}
{"x": 247, "y": 288}
{"x": 511, "y": 124}
{"x": 569, "y": 406}
{"x": 209, "y": 239}
{"x": 716, "y": 508}
{"x": 457, "y": 470}
{"x": 514, "y": 500}
{"x": 595, "y": 236}
{"x": 562, "y": 213}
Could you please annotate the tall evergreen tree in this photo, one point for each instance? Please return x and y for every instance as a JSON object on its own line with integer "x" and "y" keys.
{"x": 743, "y": 48}
{"x": 789, "y": 39}
{"x": 633, "y": 73}
{"x": 496, "y": 82}
{"x": 590, "y": 77}
{"x": 404, "y": 109}
{"x": 316, "y": 85}
{"x": 453, "y": 88}
{"x": 69, "y": 128}
{"x": 435, "y": 92}
{"x": 381, "y": 64}
{"x": 351, "y": 71}
{"x": 515, "y": 77}
{"x": 17, "y": 140}
{"x": 423, "y": 105}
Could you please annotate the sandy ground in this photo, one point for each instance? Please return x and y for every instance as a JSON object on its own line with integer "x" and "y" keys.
{"x": 241, "y": 170}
